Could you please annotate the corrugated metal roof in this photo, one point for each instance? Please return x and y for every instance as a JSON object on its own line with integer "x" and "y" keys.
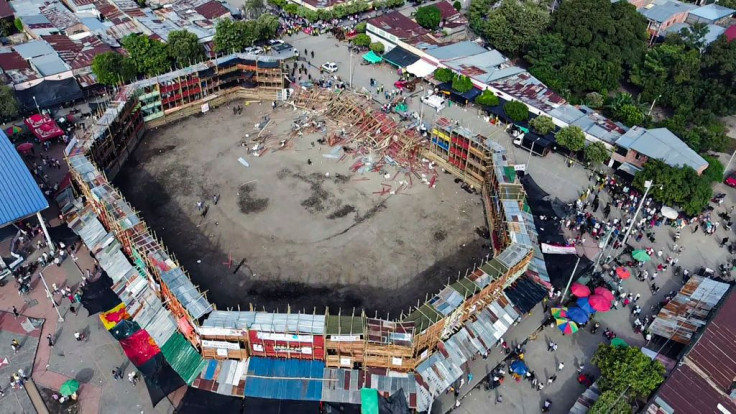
{"x": 19, "y": 192}
{"x": 662, "y": 11}
{"x": 687, "y": 312}
{"x": 161, "y": 327}
{"x": 444, "y": 367}
{"x": 446, "y": 301}
{"x": 284, "y": 379}
{"x": 661, "y": 144}
{"x": 229, "y": 319}
{"x": 712, "y": 12}
{"x": 188, "y": 295}
{"x": 223, "y": 377}
{"x": 423, "y": 317}
{"x": 296, "y": 323}
{"x": 183, "y": 358}
{"x": 344, "y": 385}
{"x": 89, "y": 228}
{"x": 34, "y": 48}
{"x": 457, "y": 50}
{"x": 345, "y": 325}
{"x": 389, "y": 332}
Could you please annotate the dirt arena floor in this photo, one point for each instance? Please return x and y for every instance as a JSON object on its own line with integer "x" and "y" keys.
{"x": 306, "y": 235}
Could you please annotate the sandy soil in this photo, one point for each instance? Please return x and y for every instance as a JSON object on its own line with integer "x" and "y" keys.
{"x": 295, "y": 235}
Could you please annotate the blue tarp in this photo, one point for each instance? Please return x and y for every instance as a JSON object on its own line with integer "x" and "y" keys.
{"x": 19, "y": 194}
{"x": 284, "y": 379}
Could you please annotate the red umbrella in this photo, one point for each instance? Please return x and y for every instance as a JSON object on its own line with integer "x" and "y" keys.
{"x": 623, "y": 273}
{"x": 25, "y": 148}
{"x": 579, "y": 290}
{"x": 601, "y": 291}
{"x": 599, "y": 303}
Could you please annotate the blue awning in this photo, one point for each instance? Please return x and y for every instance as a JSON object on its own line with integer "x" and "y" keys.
{"x": 20, "y": 196}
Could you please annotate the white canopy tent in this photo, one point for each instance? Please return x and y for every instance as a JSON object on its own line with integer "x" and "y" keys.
{"x": 421, "y": 68}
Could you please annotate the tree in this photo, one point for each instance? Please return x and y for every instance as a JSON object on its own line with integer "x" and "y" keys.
{"x": 377, "y": 47}
{"x": 360, "y": 27}
{"x": 149, "y": 57}
{"x": 253, "y": 8}
{"x": 597, "y": 153}
{"x": 267, "y": 26}
{"x": 547, "y": 50}
{"x": 542, "y": 125}
{"x": 630, "y": 115}
{"x": 627, "y": 370}
{"x": 516, "y": 110}
{"x": 675, "y": 186}
{"x": 184, "y": 48}
{"x": 718, "y": 77}
{"x": 112, "y": 68}
{"x": 8, "y": 103}
{"x": 513, "y": 25}
{"x": 487, "y": 98}
{"x": 234, "y": 36}
{"x": 594, "y": 100}
{"x": 457, "y": 5}
{"x": 714, "y": 172}
{"x": 571, "y": 137}
{"x": 610, "y": 402}
{"x": 462, "y": 83}
{"x": 666, "y": 71}
{"x": 6, "y": 27}
{"x": 443, "y": 75}
{"x": 291, "y": 8}
{"x": 362, "y": 40}
{"x": 428, "y": 17}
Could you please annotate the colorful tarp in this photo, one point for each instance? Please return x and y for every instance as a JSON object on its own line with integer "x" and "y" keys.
{"x": 114, "y": 316}
{"x": 139, "y": 347}
{"x": 124, "y": 329}
{"x": 368, "y": 401}
{"x": 372, "y": 57}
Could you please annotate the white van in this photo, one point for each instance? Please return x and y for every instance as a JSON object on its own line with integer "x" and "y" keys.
{"x": 434, "y": 101}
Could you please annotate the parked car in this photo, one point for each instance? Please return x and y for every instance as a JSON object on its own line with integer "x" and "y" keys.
{"x": 434, "y": 101}
{"x": 329, "y": 67}
{"x": 731, "y": 180}
{"x": 254, "y": 50}
{"x": 274, "y": 42}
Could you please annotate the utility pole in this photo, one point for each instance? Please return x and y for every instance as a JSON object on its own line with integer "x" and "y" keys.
{"x": 531, "y": 152}
{"x": 50, "y": 296}
{"x": 569, "y": 281}
{"x": 647, "y": 185}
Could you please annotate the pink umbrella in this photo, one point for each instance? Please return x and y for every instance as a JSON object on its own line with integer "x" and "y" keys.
{"x": 599, "y": 303}
{"x": 601, "y": 291}
{"x": 579, "y": 290}
{"x": 25, "y": 148}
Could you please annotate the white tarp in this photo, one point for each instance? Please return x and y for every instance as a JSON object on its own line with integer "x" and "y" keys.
{"x": 421, "y": 68}
{"x": 557, "y": 249}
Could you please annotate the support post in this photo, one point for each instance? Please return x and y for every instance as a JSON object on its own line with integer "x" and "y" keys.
{"x": 46, "y": 233}
{"x": 569, "y": 281}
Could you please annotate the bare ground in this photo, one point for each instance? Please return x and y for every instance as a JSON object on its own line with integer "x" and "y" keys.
{"x": 284, "y": 231}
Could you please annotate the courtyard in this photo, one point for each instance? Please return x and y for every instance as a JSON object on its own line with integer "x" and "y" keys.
{"x": 298, "y": 227}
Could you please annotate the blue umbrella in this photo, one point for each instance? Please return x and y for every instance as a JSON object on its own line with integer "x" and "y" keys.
{"x": 584, "y": 305}
{"x": 577, "y": 315}
{"x": 519, "y": 367}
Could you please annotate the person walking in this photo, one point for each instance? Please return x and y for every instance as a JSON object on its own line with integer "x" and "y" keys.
{"x": 15, "y": 312}
{"x": 15, "y": 345}
{"x": 560, "y": 366}
{"x": 50, "y": 339}
{"x": 133, "y": 377}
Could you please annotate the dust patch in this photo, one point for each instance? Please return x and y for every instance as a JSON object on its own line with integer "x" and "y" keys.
{"x": 248, "y": 202}
{"x": 440, "y": 235}
{"x": 341, "y": 212}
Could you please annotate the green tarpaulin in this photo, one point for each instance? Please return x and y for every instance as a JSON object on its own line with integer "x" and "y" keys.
{"x": 183, "y": 358}
{"x": 372, "y": 57}
{"x": 368, "y": 401}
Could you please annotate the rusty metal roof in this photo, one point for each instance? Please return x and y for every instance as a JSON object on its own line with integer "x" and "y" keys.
{"x": 687, "y": 312}
{"x": 702, "y": 382}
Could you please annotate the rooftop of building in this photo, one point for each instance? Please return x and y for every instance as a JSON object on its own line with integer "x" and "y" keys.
{"x": 730, "y": 33}
{"x": 60, "y": 16}
{"x": 713, "y": 33}
{"x": 712, "y": 12}
{"x": 5, "y": 9}
{"x": 11, "y": 60}
{"x": 529, "y": 90}
{"x": 77, "y": 54}
{"x": 48, "y": 65}
{"x": 457, "y": 50}
{"x": 661, "y": 144}
{"x": 18, "y": 190}
{"x": 662, "y": 10}
{"x": 398, "y": 25}
{"x": 33, "y": 49}
{"x": 703, "y": 381}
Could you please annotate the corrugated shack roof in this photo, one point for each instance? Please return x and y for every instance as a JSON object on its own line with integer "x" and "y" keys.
{"x": 344, "y": 385}
{"x": 444, "y": 367}
{"x": 114, "y": 262}
{"x": 345, "y": 325}
{"x": 703, "y": 380}
{"x": 529, "y": 90}
{"x": 284, "y": 379}
{"x": 447, "y": 300}
{"x": 513, "y": 255}
{"x": 223, "y": 377}
{"x": 465, "y": 287}
{"x": 187, "y": 294}
{"x": 687, "y": 312}
{"x": 121, "y": 211}
{"x": 19, "y": 192}
{"x": 661, "y": 144}
{"x": 423, "y": 317}
{"x": 229, "y": 319}
{"x": 296, "y": 323}
{"x": 183, "y": 358}
{"x": 389, "y": 332}
{"x": 494, "y": 268}
{"x": 89, "y": 228}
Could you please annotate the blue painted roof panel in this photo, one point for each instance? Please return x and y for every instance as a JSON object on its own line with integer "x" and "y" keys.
{"x": 19, "y": 194}
{"x": 285, "y": 379}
